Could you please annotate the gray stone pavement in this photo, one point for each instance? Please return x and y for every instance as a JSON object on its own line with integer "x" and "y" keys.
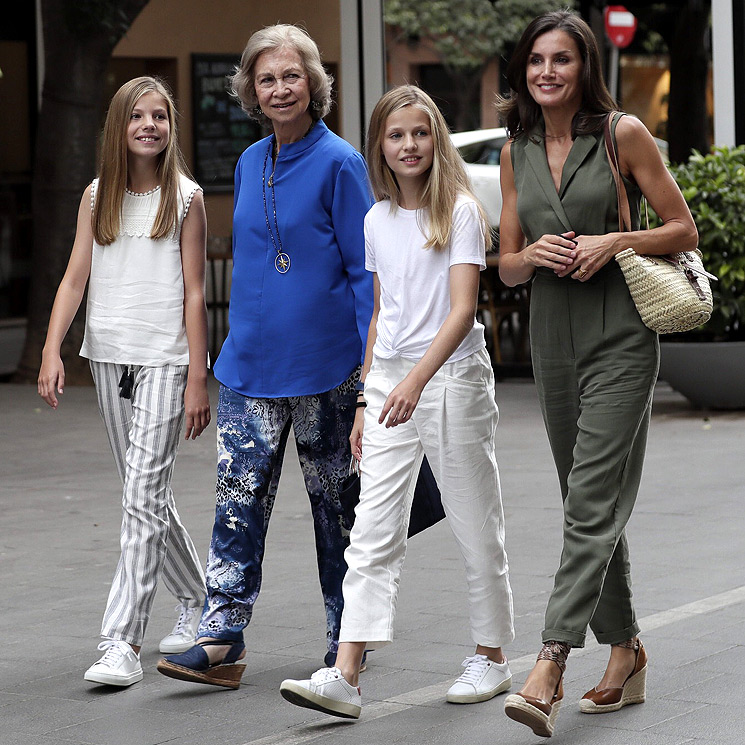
{"x": 58, "y": 547}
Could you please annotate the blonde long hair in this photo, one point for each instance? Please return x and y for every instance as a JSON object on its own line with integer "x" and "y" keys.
{"x": 447, "y": 178}
{"x": 112, "y": 173}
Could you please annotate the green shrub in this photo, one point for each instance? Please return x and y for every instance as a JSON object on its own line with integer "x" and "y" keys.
{"x": 714, "y": 187}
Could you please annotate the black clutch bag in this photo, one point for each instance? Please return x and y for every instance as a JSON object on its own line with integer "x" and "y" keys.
{"x": 426, "y": 508}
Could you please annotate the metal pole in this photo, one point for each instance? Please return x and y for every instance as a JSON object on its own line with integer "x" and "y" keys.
{"x": 362, "y": 73}
{"x": 373, "y": 56}
{"x": 350, "y": 93}
{"x": 722, "y": 40}
{"x": 613, "y": 72}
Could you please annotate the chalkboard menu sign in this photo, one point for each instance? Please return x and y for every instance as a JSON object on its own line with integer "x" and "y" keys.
{"x": 222, "y": 131}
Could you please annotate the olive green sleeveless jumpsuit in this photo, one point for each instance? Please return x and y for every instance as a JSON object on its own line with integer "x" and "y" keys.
{"x": 595, "y": 366}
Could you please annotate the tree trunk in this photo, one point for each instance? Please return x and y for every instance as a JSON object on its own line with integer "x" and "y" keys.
{"x": 684, "y": 25}
{"x": 466, "y": 90}
{"x": 687, "y": 124}
{"x": 68, "y": 128}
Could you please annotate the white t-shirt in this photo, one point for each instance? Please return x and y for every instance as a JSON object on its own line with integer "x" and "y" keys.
{"x": 415, "y": 281}
{"x": 135, "y": 312}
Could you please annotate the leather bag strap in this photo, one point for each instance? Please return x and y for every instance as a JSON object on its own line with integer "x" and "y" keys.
{"x": 624, "y": 212}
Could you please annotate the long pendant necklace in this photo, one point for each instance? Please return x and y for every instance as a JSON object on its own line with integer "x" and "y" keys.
{"x": 282, "y": 259}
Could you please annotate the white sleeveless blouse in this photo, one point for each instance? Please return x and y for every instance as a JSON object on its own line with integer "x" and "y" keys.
{"x": 135, "y": 312}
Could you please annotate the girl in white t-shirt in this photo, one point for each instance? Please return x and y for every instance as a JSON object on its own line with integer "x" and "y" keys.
{"x": 140, "y": 237}
{"x": 428, "y": 390}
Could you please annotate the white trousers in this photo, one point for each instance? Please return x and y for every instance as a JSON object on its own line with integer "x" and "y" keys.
{"x": 144, "y": 434}
{"x": 454, "y": 424}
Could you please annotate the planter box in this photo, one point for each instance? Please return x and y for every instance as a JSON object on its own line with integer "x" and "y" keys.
{"x": 711, "y": 375}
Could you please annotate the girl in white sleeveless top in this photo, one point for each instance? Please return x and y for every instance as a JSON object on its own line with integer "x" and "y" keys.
{"x": 140, "y": 238}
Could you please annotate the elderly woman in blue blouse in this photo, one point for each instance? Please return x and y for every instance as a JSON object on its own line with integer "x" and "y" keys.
{"x": 300, "y": 306}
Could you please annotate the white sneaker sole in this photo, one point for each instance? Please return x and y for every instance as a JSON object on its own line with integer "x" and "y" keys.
{"x": 296, "y": 694}
{"x": 113, "y": 680}
{"x": 175, "y": 647}
{"x": 476, "y": 698}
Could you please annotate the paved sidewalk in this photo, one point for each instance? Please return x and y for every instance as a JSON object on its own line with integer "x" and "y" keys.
{"x": 58, "y": 547}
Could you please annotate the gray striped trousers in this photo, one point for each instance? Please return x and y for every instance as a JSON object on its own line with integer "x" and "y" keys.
{"x": 144, "y": 434}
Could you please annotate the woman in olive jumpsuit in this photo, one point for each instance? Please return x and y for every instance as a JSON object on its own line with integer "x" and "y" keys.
{"x": 595, "y": 362}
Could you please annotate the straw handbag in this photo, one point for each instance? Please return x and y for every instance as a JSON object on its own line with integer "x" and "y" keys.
{"x": 672, "y": 292}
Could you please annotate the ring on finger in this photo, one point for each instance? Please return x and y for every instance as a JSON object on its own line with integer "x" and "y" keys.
{"x": 581, "y": 273}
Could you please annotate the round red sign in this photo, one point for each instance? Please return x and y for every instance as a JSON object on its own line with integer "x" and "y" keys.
{"x": 620, "y": 25}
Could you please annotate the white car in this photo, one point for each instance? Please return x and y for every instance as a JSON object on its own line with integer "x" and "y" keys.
{"x": 481, "y": 149}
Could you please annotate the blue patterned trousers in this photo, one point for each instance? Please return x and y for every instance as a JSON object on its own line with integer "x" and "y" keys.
{"x": 251, "y": 438}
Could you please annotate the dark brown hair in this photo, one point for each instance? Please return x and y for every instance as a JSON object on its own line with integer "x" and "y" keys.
{"x": 519, "y": 111}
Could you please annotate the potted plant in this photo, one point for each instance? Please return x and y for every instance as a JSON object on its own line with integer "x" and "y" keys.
{"x": 707, "y": 365}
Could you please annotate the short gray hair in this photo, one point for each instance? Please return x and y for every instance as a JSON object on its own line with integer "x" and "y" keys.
{"x": 270, "y": 39}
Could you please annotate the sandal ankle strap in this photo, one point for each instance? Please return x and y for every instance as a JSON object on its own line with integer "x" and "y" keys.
{"x": 632, "y": 643}
{"x": 555, "y": 652}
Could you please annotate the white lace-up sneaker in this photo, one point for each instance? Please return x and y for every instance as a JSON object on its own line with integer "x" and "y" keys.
{"x": 184, "y": 632}
{"x": 326, "y": 691}
{"x": 482, "y": 680}
{"x": 120, "y": 665}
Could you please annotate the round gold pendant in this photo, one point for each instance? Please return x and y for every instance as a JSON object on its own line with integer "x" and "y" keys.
{"x": 282, "y": 262}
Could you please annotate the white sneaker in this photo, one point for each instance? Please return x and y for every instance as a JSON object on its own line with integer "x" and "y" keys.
{"x": 326, "y": 691}
{"x": 482, "y": 680}
{"x": 184, "y": 632}
{"x": 120, "y": 665}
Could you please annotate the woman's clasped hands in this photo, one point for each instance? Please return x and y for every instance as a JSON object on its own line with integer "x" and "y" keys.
{"x": 554, "y": 251}
{"x": 579, "y": 256}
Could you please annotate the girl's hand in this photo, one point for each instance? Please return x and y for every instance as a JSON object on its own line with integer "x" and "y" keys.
{"x": 401, "y": 402}
{"x": 593, "y": 252}
{"x": 355, "y": 439}
{"x": 51, "y": 376}
{"x": 553, "y": 251}
{"x": 197, "y": 405}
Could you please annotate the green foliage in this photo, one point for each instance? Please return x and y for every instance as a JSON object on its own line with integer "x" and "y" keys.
{"x": 714, "y": 187}
{"x": 466, "y": 34}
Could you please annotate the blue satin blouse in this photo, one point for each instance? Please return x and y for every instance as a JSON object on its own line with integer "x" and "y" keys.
{"x": 304, "y": 331}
